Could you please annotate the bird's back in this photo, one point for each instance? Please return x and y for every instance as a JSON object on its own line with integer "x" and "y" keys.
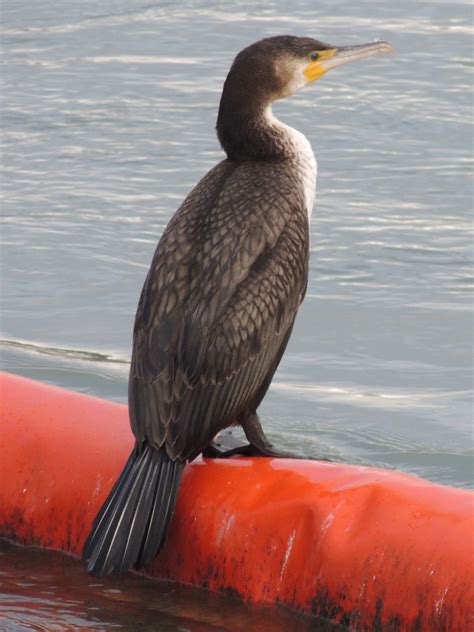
{"x": 221, "y": 295}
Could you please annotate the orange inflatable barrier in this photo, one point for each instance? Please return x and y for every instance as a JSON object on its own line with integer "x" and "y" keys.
{"x": 368, "y": 548}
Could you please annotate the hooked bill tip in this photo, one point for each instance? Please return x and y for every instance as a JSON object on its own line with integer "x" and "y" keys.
{"x": 384, "y": 47}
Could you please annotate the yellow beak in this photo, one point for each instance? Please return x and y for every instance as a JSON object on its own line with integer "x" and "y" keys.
{"x": 332, "y": 57}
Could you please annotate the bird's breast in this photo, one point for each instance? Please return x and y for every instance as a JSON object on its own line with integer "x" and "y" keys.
{"x": 307, "y": 166}
{"x": 305, "y": 161}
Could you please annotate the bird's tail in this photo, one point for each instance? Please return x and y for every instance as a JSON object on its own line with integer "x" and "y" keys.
{"x": 132, "y": 525}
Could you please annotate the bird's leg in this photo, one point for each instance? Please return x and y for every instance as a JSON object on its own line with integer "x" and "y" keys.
{"x": 227, "y": 444}
{"x": 259, "y": 443}
{"x": 224, "y": 446}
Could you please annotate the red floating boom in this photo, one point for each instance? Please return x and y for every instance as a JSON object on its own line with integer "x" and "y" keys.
{"x": 369, "y": 548}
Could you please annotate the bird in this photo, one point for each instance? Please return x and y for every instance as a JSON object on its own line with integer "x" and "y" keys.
{"x": 220, "y": 299}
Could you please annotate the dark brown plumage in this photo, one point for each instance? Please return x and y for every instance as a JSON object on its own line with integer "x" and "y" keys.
{"x": 222, "y": 292}
{"x": 219, "y": 301}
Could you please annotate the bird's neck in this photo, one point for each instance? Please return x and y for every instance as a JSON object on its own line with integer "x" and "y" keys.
{"x": 251, "y": 132}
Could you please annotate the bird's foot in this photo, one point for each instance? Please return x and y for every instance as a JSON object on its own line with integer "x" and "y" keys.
{"x": 227, "y": 445}
{"x": 224, "y": 446}
{"x": 214, "y": 451}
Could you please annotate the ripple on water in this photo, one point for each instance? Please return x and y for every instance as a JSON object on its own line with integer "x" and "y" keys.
{"x": 59, "y": 595}
{"x": 108, "y": 121}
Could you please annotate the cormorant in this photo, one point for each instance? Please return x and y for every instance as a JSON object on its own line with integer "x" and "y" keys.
{"x": 220, "y": 299}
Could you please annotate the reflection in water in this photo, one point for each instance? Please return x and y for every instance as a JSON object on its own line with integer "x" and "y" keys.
{"x": 45, "y": 590}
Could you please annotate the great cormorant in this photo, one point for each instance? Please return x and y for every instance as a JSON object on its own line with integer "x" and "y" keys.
{"x": 221, "y": 296}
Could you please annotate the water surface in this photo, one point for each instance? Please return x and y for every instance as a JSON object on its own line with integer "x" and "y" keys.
{"x": 45, "y": 590}
{"x": 108, "y": 121}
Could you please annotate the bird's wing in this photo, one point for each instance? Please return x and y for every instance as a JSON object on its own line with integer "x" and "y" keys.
{"x": 217, "y": 306}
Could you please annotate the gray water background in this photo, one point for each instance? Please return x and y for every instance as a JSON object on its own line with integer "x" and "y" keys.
{"x": 108, "y": 121}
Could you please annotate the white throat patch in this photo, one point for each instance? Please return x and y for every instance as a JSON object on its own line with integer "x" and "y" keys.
{"x": 306, "y": 158}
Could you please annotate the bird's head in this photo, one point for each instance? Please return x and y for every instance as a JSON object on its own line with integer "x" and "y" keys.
{"x": 268, "y": 70}
{"x": 276, "y": 67}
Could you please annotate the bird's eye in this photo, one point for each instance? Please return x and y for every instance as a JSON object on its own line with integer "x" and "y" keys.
{"x": 314, "y": 56}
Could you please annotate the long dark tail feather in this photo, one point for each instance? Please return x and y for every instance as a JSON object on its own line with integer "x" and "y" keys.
{"x": 133, "y": 523}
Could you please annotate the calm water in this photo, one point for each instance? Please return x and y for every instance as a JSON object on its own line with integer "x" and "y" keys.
{"x": 108, "y": 117}
{"x": 48, "y": 591}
